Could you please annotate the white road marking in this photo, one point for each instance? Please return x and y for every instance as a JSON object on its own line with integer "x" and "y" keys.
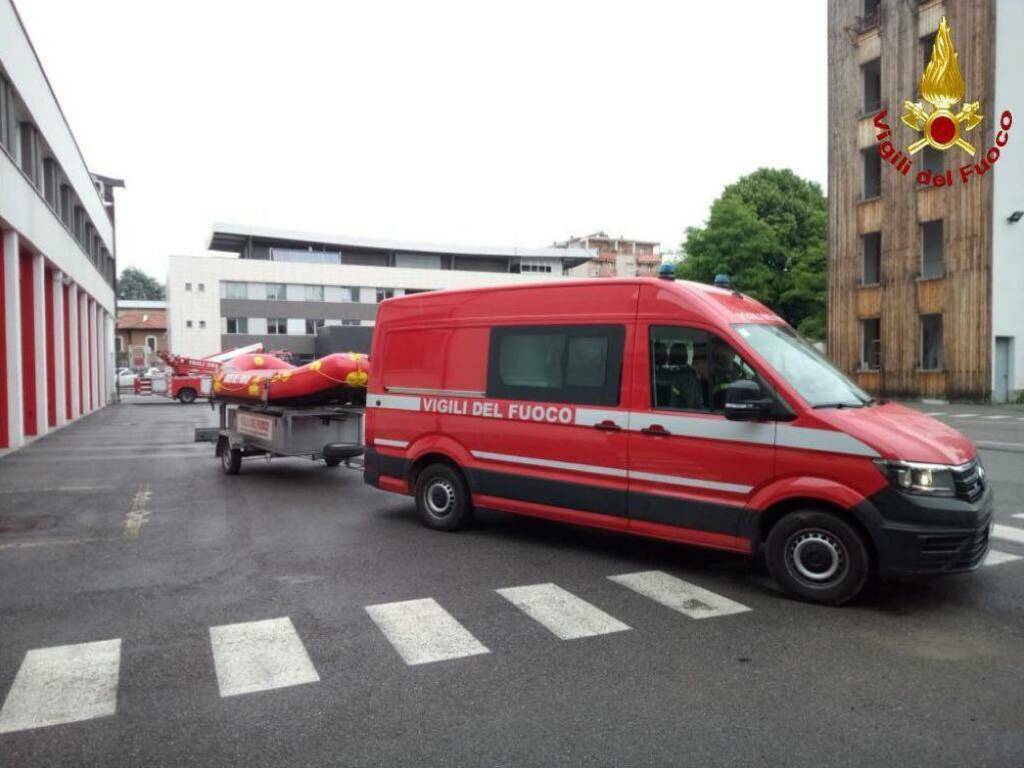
{"x": 565, "y": 615}
{"x": 259, "y": 656}
{"x": 1008, "y": 533}
{"x": 682, "y": 596}
{"x": 63, "y": 684}
{"x": 1019, "y": 515}
{"x": 995, "y": 557}
{"x": 935, "y": 413}
{"x": 993, "y": 418}
{"x": 423, "y": 632}
{"x": 964, "y": 415}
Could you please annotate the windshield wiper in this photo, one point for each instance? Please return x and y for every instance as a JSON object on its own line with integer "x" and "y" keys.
{"x": 840, "y": 405}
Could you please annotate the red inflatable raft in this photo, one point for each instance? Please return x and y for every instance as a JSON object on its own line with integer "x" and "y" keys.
{"x": 262, "y": 378}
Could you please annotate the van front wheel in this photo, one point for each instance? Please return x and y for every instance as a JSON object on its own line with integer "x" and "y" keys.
{"x": 819, "y": 557}
{"x": 442, "y": 498}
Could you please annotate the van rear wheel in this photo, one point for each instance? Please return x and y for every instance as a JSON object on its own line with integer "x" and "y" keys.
{"x": 819, "y": 557}
{"x": 442, "y": 498}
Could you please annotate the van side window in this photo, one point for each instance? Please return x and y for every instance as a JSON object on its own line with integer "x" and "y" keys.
{"x": 691, "y": 369}
{"x": 556, "y": 364}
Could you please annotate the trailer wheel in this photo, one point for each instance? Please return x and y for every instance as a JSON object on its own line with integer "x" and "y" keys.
{"x": 230, "y": 460}
{"x": 819, "y": 557}
{"x": 442, "y": 498}
{"x": 187, "y": 395}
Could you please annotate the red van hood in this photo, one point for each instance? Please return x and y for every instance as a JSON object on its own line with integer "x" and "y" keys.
{"x": 898, "y": 432}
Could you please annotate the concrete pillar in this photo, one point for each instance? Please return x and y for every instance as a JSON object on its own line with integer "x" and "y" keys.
{"x": 75, "y": 337}
{"x": 83, "y": 349}
{"x": 109, "y": 382}
{"x": 59, "y": 340}
{"x": 39, "y": 288}
{"x": 12, "y": 339}
{"x": 97, "y": 356}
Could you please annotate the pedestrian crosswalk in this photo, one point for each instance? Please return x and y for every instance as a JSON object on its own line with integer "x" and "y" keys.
{"x": 73, "y": 683}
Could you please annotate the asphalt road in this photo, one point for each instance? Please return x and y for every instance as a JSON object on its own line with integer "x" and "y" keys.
{"x": 121, "y": 537}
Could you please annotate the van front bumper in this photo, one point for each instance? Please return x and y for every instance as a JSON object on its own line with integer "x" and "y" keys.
{"x": 917, "y": 535}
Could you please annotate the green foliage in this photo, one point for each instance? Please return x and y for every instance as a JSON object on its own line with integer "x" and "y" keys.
{"x": 768, "y": 232}
{"x": 136, "y": 284}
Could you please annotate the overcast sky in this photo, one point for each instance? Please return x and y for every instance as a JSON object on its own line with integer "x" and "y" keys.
{"x": 515, "y": 123}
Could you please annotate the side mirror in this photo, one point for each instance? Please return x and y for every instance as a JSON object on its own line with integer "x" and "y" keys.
{"x": 744, "y": 401}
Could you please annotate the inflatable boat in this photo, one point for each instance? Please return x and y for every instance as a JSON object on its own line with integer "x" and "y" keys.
{"x": 263, "y": 378}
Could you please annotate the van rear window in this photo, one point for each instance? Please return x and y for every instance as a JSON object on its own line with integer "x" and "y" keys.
{"x": 556, "y": 364}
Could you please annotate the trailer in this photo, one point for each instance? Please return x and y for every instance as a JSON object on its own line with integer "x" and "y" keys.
{"x": 332, "y": 434}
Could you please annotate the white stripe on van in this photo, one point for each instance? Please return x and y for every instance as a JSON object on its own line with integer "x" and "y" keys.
{"x": 706, "y": 427}
{"x": 395, "y": 402}
{"x": 551, "y": 464}
{"x": 390, "y": 443}
{"x": 613, "y": 472}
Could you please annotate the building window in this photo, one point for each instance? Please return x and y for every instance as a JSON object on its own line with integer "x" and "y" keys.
{"x": 277, "y": 325}
{"x": 119, "y": 344}
{"x": 66, "y": 206}
{"x": 188, "y": 323}
{"x": 872, "y": 174}
{"x": 234, "y": 290}
{"x": 50, "y": 181}
{"x": 871, "y": 344}
{"x": 30, "y": 159}
{"x": 350, "y": 322}
{"x": 535, "y": 268}
{"x": 927, "y": 44}
{"x": 276, "y": 292}
{"x": 201, "y": 287}
{"x": 871, "y": 74}
{"x": 556, "y": 364}
{"x": 933, "y": 160}
{"x": 870, "y": 17}
{"x": 932, "y": 357}
{"x": 202, "y": 323}
{"x": 151, "y": 343}
{"x": 933, "y": 262}
{"x": 312, "y": 326}
{"x": 872, "y": 271}
{"x": 6, "y": 115}
{"x": 188, "y": 287}
{"x": 314, "y": 293}
{"x": 384, "y": 293}
{"x": 238, "y": 325}
{"x": 79, "y": 222}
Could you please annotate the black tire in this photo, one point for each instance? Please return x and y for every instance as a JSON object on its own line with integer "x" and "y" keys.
{"x": 230, "y": 460}
{"x": 442, "y": 498}
{"x": 187, "y": 395}
{"x": 818, "y": 557}
{"x": 332, "y": 462}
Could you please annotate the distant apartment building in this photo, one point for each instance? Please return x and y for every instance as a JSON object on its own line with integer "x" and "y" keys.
{"x": 925, "y": 282}
{"x": 279, "y": 288}
{"x": 56, "y": 255}
{"x": 615, "y": 256}
{"x": 141, "y": 332}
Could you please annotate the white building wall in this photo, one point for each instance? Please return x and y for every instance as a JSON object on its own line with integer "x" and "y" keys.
{"x": 184, "y": 306}
{"x": 1008, "y": 190}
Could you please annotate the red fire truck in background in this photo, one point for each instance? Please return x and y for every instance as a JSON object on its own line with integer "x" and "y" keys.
{"x": 188, "y": 378}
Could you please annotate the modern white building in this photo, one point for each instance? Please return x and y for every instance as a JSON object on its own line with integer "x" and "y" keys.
{"x": 57, "y": 270}
{"x": 281, "y": 287}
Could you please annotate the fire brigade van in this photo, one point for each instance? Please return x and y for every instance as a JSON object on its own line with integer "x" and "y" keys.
{"x": 666, "y": 409}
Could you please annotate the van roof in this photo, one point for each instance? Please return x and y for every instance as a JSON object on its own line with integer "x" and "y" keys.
{"x": 728, "y": 305}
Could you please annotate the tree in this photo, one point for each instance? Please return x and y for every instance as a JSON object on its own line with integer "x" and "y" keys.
{"x": 768, "y": 232}
{"x": 136, "y": 284}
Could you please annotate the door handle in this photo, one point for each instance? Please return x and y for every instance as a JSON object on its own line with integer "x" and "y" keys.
{"x": 655, "y": 429}
{"x": 607, "y": 425}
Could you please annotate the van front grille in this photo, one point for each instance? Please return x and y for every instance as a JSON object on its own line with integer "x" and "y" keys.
{"x": 969, "y": 480}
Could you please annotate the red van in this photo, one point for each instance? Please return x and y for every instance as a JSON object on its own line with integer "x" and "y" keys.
{"x": 667, "y": 409}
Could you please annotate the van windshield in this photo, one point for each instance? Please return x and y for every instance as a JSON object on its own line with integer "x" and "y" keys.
{"x": 814, "y": 378}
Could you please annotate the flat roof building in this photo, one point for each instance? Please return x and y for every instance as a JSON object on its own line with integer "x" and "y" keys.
{"x": 281, "y": 287}
{"x": 925, "y": 279}
{"x": 57, "y": 267}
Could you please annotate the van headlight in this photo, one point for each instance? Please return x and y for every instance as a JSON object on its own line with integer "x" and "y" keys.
{"x": 911, "y": 477}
